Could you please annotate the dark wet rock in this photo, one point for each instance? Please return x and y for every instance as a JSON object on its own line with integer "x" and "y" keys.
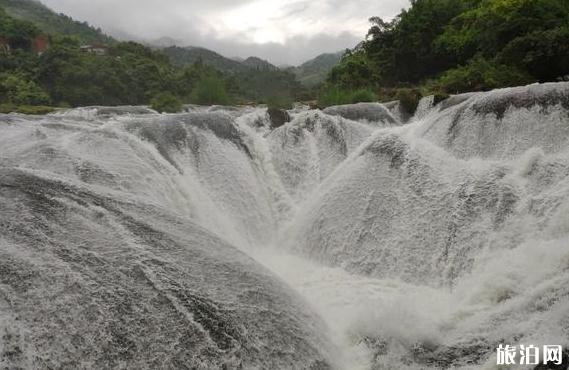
{"x": 454, "y": 100}
{"x": 390, "y": 147}
{"x": 223, "y": 108}
{"x": 544, "y": 95}
{"x": 426, "y": 104}
{"x": 111, "y": 111}
{"x": 176, "y": 132}
{"x": 104, "y": 111}
{"x": 369, "y": 112}
{"x": 553, "y": 366}
{"x": 502, "y": 123}
{"x": 398, "y": 111}
{"x": 278, "y": 117}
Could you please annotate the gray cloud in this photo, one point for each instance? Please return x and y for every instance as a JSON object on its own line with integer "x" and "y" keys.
{"x": 281, "y": 31}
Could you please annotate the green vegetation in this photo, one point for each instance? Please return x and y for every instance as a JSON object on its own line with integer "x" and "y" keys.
{"x": 50, "y": 22}
{"x": 435, "y": 47}
{"x": 252, "y": 80}
{"x": 452, "y": 46}
{"x": 409, "y": 99}
{"x": 26, "y": 109}
{"x": 210, "y": 90}
{"x": 334, "y": 95}
{"x": 166, "y": 103}
{"x": 185, "y": 57}
{"x": 480, "y": 74}
{"x": 315, "y": 71}
{"x": 19, "y": 91}
{"x": 127, "y": 74}
{"x": 279, "y": 102}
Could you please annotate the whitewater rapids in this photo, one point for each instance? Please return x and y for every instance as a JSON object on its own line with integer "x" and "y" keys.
{"x": 349, "y": 238}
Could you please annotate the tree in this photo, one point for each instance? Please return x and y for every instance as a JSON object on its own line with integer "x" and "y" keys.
{"x": 489, "y": 43}
{"x": 210, "y": 90}
{"x": 166, "y": 103}
{"x": 16, "y": 90}
{"x": 480, "y": 74}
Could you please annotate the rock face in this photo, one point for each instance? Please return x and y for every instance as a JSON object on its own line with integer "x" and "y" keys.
{"x": 374, "y": 113}
{"x": 501, "y": 124}
{"x": 396, "y": 108}
{"x": 278, "y": 117}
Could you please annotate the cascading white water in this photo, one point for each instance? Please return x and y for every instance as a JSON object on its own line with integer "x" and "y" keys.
{"x": 420, "y": 246}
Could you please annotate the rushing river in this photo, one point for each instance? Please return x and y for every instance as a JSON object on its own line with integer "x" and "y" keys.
{"x": 348, "y": 238}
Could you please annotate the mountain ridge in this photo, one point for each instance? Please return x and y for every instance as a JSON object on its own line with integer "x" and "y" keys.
{"x": 314, "y": 71}
{"x": 310, "y": 73}
{"x": 52, "y": 22}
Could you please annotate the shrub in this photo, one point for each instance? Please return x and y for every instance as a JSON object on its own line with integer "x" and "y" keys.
{"x": 26, "y": 109}
{"x": 409, "y": 99}
{"x": 166, "y": 103}
{"x": 19, "y": 91}
{"x": 279, "y": 102}
{"x": 210, "y": 90}
{"x": 363, "y": 96}
{"x": 481, "y": 75}
{"x": 334, "y": 96}
{"x": 34, "y": 109}
{"x": 544, "y": 53}
{"x": 337, "y": 96}
{"x": 8, "y": 108}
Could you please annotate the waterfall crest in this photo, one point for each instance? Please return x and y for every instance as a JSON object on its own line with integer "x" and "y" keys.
{"x": 343, "y": 239}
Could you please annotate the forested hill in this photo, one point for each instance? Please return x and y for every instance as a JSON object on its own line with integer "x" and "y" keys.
{"x": 314, "y": 71}
{"x": 259, "y": 64}
{"x": 65, "y": 72}
{"x": 455, "y": 46}
{"x": 187, "y": 56}
{"x": 50, "y": 22}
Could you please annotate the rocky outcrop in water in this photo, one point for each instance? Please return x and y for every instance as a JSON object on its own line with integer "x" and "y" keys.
{"x": 373, "y": 113}
{"x": 278, "y": 117}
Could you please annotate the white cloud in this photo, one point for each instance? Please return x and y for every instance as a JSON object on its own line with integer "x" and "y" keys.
{"x": 283, "y": 31}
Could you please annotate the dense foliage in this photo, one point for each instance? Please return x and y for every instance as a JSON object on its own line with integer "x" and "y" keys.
{"x": 461, "y": 45}
{"x": 166, "y": 103}
{"x": 334, "y": 95}
{"x": 210, "y": 90}
{"x": 251, "y": 80}
{"x": 315, "y": 71}
{"x": 126, "y": 74}
{"x": 52, "y": 23}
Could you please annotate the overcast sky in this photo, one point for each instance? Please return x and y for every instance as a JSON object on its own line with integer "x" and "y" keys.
{"x": 281, "y": 31}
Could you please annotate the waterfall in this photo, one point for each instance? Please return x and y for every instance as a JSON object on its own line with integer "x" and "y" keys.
{"x": 345, "y": 239}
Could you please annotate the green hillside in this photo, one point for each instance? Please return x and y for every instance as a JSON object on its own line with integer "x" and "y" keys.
{"x": 50, "y": 22}
{"x": 314, "y": 71}
{"x": 259, "y": 64}
{"x": 453, "y": 46}
{"x": 183, "y": 57}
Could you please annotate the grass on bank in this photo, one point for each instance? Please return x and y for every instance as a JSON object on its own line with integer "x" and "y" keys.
{"x": 337, "y": 96}
{"x": 26, "y": 109}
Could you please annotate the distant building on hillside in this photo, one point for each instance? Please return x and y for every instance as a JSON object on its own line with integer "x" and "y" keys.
{"x": 99, "y": 49}
{"x": 40, "y": 44}
{"x": 4, "y": 45}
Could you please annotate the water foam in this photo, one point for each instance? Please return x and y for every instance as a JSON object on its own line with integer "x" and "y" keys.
{"x": 421, "y": 246}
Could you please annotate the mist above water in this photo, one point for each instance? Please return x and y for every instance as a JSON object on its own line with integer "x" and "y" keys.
{"x": 344, "y": 239}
